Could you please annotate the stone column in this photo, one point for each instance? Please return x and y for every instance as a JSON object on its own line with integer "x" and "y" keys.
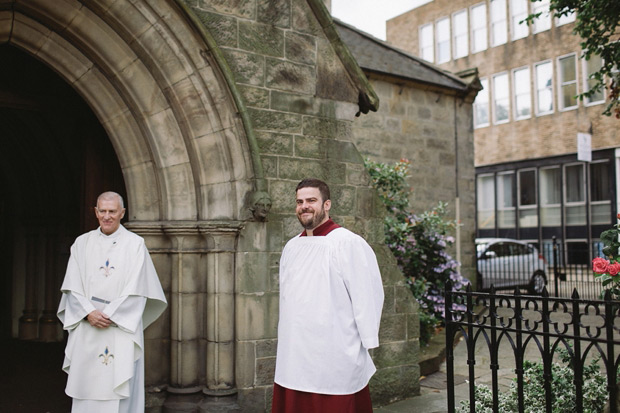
{"x": 48, "y": 322}
{"x": 28, "y": 323}
{"x": 220, "y": 312}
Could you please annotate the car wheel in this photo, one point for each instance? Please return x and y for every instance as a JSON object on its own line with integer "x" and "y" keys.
{"x": 537, "y": 283}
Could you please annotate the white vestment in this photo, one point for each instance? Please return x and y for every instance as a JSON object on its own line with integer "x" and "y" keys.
{"x": 114, "y": 274}
{"x": 331, "y": 297}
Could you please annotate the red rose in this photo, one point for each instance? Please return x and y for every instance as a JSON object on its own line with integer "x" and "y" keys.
{"x": 600, "y": 265}
{"x": 614, "y": 268}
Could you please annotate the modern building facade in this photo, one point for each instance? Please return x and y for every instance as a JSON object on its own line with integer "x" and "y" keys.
{"x": 533, "y": 138}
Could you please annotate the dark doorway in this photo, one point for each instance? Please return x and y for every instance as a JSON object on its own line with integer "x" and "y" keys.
{"x": 55, "y": 158}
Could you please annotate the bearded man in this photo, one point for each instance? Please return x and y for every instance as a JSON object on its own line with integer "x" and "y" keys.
{"x": 331, "y": 297}
{"x": 110, "y": 294}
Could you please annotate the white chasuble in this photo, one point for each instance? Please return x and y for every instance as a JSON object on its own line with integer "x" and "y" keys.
{"x": 331, "y": 297}
{"x": 115, "y": 275}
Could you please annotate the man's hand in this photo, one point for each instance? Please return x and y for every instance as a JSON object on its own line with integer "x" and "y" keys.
{"x": 99, "y": 320}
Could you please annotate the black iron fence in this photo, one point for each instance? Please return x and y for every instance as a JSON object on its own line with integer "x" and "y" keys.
{"x": 559, "y": 266}
{"x": 513, "y": 328}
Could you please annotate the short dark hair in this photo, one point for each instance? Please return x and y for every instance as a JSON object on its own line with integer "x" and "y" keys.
{"x": 315, "y": 183}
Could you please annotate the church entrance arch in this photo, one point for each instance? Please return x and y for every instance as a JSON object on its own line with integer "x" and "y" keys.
{"x": 160, "y": 100}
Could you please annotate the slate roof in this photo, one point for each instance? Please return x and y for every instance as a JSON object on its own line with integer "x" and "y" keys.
{"x": 378, "y": 56}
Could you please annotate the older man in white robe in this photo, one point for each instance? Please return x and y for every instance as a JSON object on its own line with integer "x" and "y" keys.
{"x": 110, "y": 294}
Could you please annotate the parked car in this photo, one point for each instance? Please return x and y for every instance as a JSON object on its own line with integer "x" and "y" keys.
{"x": 508, "y": 263}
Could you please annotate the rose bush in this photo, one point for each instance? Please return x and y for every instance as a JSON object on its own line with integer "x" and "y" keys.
{"x": 607, "y": 269}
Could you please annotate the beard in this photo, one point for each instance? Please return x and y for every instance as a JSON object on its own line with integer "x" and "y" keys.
{"x": 312, "y": 222}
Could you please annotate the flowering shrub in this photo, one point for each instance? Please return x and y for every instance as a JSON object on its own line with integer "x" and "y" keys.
{"x": 595, "y": 393}
{"x": 419, "y": 243}
{"x": 608, "y": 269}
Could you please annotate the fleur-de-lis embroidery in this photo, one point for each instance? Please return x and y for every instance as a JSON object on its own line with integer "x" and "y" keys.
{"x": 107, "y": 270}
{"x": 106, "y": 356}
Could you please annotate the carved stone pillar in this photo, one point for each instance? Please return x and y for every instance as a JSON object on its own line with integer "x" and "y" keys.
{"x": 28, "y": 323}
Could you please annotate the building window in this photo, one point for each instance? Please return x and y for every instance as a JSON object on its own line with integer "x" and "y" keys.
{"x": 544, "y": 88}
{"x": 481, "y": 105}
{"x": 518, "y": 13}
{"x": 427, "y": 43}
{"x": 600, "y": 197}
{"x": 501, "y": 98}
{"x": 551, "y": 197}
{"x": 567, "y": 79}
{"x": 528, "y": 214}
{"x": 591, "y": 66}
{"x": 522, "y": 93}
{"x": 485, "y": 201}
{"x": 460, "y": 30}
{"x": 543, "y": 22}
{"x": 499, "y": 29}
{"x": 568, "y": 18}
{"x": 574, "y": 190}
{"x": 505, "y": 200}
{"x": 478, "y": 27}
{"x": 443, "y": 36}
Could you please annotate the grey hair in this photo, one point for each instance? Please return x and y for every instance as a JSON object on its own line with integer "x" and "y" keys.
{"x": 111, "y": 195}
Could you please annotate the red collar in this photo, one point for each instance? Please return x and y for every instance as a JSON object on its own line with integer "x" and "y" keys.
{"x": 323, "y": 229}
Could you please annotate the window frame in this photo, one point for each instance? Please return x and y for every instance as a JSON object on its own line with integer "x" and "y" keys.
{"x": 536, "y": 8}
{"x": 527, "y": 207}
{"x": 472, "y": 27}
{"x": 432, "y": 41}
{"x": 507, "y": 98}
{"x": 455, "y": 34}
{"x": 516, "y": 115}
{"x": 488, "y": 104}
{"x": 541, "y": 196}
{"x": 552, "y": 94}
{"x": 564, "y": 20}
{"x": 561, "y": 83}
{"x": 480, "y": 177}
{"x": 514, "y": 24}
{"x": 586, "y": 87}
{"x": 499, "y": 189}
{"x": 493, "y": 23}
{"x": 449, "y": 40}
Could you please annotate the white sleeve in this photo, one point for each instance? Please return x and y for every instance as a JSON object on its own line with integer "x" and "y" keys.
{"x": 126, "y": 312}
{"x": 76, "y": 308}
{"x": 362, "y": 278}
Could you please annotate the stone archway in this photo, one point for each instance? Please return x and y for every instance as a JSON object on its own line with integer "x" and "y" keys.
{"x": 155, "y": 88}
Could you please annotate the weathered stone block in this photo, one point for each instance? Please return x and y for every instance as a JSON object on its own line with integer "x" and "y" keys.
{"x": 300, "y": 48}
{"x": 254, "y": 96}
{"x": 261, "y": 236}
{"x": 343, "y": 151}
{"x": 285, "y": 75}
{"x": 343, "y": 199}
{"x": 398, "y": 353}
{"x": 276, "y": 121}
{"x": 275, "y": 143}
{"x": 266, "y": 348}
{"x": 253, "y": 272}
{"x": 357, "y": 175}
{"x": 222, "y": 28}
{"x": 261, "y": 39}
{"x": 253, "y": 400}
{"x": 248, "y": 67}
{"x": 331, "y": 76}
{"x": 394, "y": 383}
{"x": 255, "y": 316}
{"x": 310, "y": 147}
{"x": 296, "y": 169}
{"x": 275, "y": 12}
{"x": 245, "y": 362}
{"x": 240, "y": 8}
{"x": 303, "y": 104}
{"x": 265, "y": 370}
{"x": 405, "y": 302}
{"x": 393, "y": 328}
{"x": 270, "y": 166}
